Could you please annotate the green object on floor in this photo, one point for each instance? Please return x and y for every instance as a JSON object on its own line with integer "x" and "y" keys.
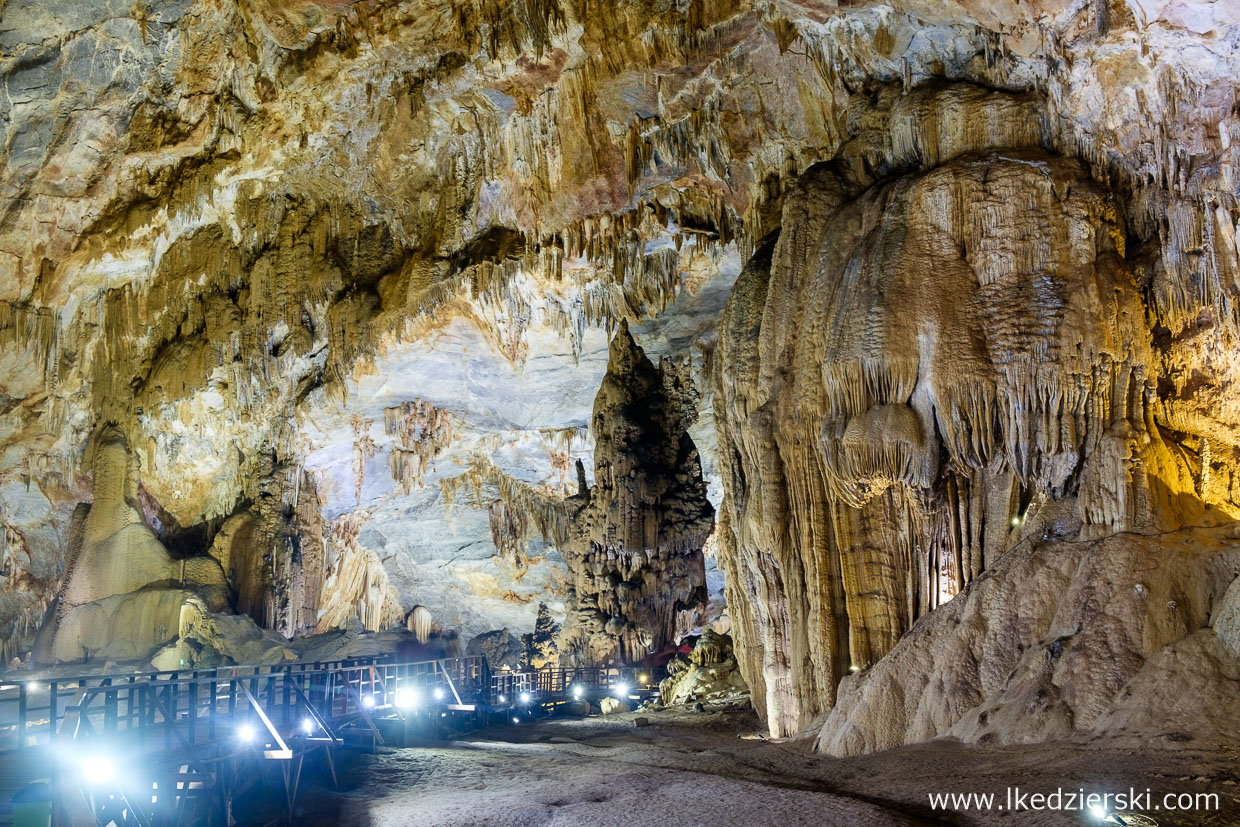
{"x": 32, "y": 805}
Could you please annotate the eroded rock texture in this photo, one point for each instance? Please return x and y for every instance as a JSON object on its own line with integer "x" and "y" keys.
{"x": 707, "y": 673}
{"x": 343, "y": 276}
{"x": 925, "y": 371}
{"x": 123, "y": 591}
{"x": 1064, "y": 640}
{"x": 635, "y": 550}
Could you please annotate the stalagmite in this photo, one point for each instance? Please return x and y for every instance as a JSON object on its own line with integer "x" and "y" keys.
{"x": 635, "y": 551}
{"x": 123, "y": 592}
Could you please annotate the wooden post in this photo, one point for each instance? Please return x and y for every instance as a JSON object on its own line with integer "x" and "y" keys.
{"x": 288, "y": 690}
{"x": 21, "y": 715}
{"x": 51, "y": 715}
{"x": 143, "y": 703}
{"x": 214, "y": 687}
{"x": 271, "y": 690}
{"x": 109, "y": 708}
{"x": 169, "y": 710}
{"x": 192, "y": 703}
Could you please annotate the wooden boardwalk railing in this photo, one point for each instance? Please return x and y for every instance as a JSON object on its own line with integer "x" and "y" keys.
{"x": 32, "y": 711}
{"x": 191, "y": 733}
{"x": 552, "y": 682}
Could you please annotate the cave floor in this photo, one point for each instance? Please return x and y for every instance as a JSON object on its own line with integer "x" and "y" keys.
{"x": 688, "y": 768}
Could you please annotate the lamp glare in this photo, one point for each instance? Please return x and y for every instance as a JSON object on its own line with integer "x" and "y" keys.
{"x": 98, "y": 770}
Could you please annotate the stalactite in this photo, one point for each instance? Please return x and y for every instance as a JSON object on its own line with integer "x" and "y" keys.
{"x": 421, "y": 431}
{"x": 525, "y": 508}
{"x": 916, "y": 472}
{"x": 356, "y": 585}
{"x": 420, "y": 622}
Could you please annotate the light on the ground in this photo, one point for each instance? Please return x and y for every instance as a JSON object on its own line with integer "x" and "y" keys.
{"x": 368, "y": 701}
{"x": 246, "y": 734}
{"x": 439, "y": 694}
{"x": 620, "y": 690}
{"x": 406, "y": 698}
{"x": 577, "y": 692}
{"x": 525, "y": 697}
{"x": 307, "y": 726}
{"x": 98, "y": 770}
{"x": 1016, "y": 521}
{"x": 854, "y": 668}
{"x": 1098, "y": 812}
{"x": 502, "y": 699}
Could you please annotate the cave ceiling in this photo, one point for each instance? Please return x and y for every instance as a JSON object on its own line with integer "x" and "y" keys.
{"x": 349, "y": 271}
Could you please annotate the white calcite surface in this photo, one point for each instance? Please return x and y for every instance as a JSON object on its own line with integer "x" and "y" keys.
{"x": 343, "y": 276}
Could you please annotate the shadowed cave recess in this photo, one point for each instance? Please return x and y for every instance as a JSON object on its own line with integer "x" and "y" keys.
{"x": 876, "y": 363}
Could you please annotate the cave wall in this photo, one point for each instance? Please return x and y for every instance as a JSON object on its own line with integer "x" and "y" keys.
{"x": 246, "y": 231}
{"x": 889, "y": 436}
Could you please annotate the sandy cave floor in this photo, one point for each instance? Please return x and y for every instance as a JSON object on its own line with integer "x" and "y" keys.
{"x": 690, "y": 768}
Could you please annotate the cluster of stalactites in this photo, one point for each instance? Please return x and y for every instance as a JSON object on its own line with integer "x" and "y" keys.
{"x": 518, "y": 511}
{"x": 357, "y": 584}
{"x": 1038, "y": 419}
{"x": 421, "y": 431}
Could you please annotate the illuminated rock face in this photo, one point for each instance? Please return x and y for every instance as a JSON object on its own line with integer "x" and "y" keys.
{"x": 343, "y": 275}
{"x": 919, "y": 376}
{"x": 1124, "y": 637}
{"x": 123, "y": 592}
{"x": 635, "y": 546}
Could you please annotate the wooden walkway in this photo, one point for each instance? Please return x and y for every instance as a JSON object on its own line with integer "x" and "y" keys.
{"x": 181, "y": 747}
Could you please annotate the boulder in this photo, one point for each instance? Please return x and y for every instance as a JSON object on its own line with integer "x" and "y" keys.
{"x": 613, "y": 706}
{"x": 501, "y": 648}
{"x": 708, "y": 672}
{"x": 208, "y": 639}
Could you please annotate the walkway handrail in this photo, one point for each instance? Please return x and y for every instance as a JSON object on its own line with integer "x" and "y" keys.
{"x": 341, "y": 689}
{"x": 329, "y": 693}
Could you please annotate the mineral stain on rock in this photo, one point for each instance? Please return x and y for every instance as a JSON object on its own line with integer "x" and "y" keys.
{"x": 896, "y": 338}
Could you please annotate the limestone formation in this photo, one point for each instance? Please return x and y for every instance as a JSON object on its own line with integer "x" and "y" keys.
{"x": 887, "y": 437}
{"x": 273, "y": 552}
{"x": 344, "y": 274}
{"x": 635, "y": 554}
{"x": 1064, "y": 640}
{"x": 420, "y": 622}
{"x": 206, "y": 641}
{"x": 501, "y": 648}
{"x": 708, "y": 672}
{"x": 613, "y": 706}
{"x": 539, "y": 646}
{"x": 356, "y": 585}
{"x": 123, "y": 591}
